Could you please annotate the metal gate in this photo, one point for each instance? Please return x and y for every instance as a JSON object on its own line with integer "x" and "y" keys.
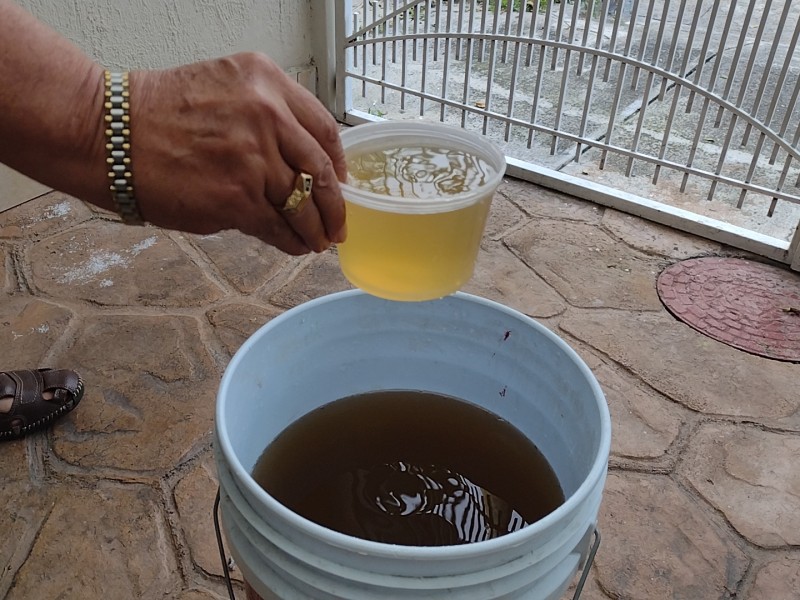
{"x": 680, "y": 111}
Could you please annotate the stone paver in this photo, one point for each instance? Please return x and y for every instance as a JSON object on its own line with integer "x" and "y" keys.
{"x": 543, "y": 203}
{"x": 146, "y": 418}
{"x": 660, "y": 543}
{"x": 688, "y": 367}
{"x": 115, "y": 500}
{"x": 502, "y": 277}
{"x": 20, "y": 521}
{"x": 111, "y": 264}
{"x": 570, "y": 257}
{"x": 654, "y": 238}
{"x": 751, "y": 476}
{"x": 30, "y": 328}
{"x": 246, "y": 262}
{"x": 107, "y": 541}
{"x": 234, "y": 323}
{"x": 644, "y": 422}
{"x": 779, "y": 578}
{"x": 320, "y": 275}
{"x": 193, "y": 494}
{"x": 504, "y": 215}
{"x": 43, "y": 216}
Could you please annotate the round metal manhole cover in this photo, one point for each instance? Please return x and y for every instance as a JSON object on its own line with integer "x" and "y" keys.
{"x": 748, "y": 305}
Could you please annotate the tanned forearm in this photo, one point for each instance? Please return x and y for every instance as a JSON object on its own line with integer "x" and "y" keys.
{"x": 51, "y": 108}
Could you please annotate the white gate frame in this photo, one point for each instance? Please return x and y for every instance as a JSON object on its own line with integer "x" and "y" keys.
{"x": 332, "y": 26}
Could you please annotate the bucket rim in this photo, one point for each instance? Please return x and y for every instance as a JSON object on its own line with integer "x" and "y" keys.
{"x": 381, "y": 549}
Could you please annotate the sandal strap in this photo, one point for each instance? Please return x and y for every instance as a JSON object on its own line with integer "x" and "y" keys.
{"x": 29, "y": 410}
{"x": 24, "y": 386}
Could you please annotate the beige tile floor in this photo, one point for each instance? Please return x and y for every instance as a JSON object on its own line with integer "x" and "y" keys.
{"x": 115, "y": 501}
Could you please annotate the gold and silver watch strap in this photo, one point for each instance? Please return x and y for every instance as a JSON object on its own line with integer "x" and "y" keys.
{"x": 118, "y": 146}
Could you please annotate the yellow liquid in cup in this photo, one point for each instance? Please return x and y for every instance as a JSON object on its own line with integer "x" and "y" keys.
{"x": 415, "y": 255}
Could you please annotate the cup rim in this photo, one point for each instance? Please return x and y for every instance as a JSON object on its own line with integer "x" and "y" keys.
{"x": 371, "y": 136}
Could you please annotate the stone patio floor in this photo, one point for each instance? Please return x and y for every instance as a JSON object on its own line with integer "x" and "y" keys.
{"x": 115, "y": 501}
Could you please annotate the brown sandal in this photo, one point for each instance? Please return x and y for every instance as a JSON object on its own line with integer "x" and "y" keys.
{"x": 29, "y": 410}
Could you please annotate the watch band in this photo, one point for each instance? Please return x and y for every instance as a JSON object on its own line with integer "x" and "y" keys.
{"x": 118, "y": 132}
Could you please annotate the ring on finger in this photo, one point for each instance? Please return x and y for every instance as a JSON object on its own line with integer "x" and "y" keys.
{"x": 297, "y": 200}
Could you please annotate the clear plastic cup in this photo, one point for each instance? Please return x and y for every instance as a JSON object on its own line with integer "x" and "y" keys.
{"x": 415, "y": 248}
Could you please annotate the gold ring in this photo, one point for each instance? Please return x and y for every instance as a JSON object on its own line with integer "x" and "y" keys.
{"x": 300, "y": 195}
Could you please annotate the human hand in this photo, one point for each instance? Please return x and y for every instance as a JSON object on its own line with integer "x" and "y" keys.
{"x": 218, "y": 144}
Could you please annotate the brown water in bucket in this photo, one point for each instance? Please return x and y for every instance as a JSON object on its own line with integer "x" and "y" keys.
{"x": 411, "y": 468}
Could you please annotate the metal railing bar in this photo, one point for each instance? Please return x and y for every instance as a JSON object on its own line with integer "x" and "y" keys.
{"x": 759, "y": 189}
{"x": 701, "y": 119}
{"x": 393, "y": 17}
{"x": 598, "y": 43}
{"x": 509, "y": 14}
{"x": 737, "y": 54}
{"x": 712, "y": 19}
{"x": 771, "y": 109}
{"x": 790, "y": 110}
{"x": 467, "y": 77}
{"x": 780, "y": 84}
{"x": 585, "y": 41}
{"x": 770, "y": 114}
{"x": 426, "y": 40}
{"x": 492, "y": 62}
{"x": 559, "y": 28}
{"x": 404, "y": 59}
{"x": 690, "y": 43}
{"x": 521, "y": 18}
{"x": 460, "y": 29}
{"x": 363, "y": 66}
{"x": 674, "y": 46}
{"x": 784, "y": 173}
{"x": 482, "y": 44}
{"x": 447, "y": 44}
{"x": 643, "y": 43}
{"x": 623, "y": 60}
{"x": 532, "y": 32}
{"x": 767, "y": 69}
{"x": 515, "y": 69}
{"x": 612, "y": 44}
{"x": 649, "y": 83}
{"x": 438, "y": 25}
{"x": 539, "y": 71}
{"x": 620, "y": 80}
{"x": 614, "y": 108}
{"x": 681, "y": 82}
{"x": 384, "y": 62}
{"x": 751, "y": 171}
{"x": 415, "y": 7}
{"x": 562, "y": 92}
{"x": 374, "y": 31}
{"x": 743, "y": 86}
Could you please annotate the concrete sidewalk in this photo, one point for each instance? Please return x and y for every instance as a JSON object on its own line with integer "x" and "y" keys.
{"x": 115, "y": 502}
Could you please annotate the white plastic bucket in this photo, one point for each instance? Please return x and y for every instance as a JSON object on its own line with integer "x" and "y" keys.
{"x": 462, "y": 346}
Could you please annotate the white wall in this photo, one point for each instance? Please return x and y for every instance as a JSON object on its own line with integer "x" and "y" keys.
{"x": 129, "y": 34}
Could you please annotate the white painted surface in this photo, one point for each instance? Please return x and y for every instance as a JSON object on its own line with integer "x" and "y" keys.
{"x": 158, "y": 33}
